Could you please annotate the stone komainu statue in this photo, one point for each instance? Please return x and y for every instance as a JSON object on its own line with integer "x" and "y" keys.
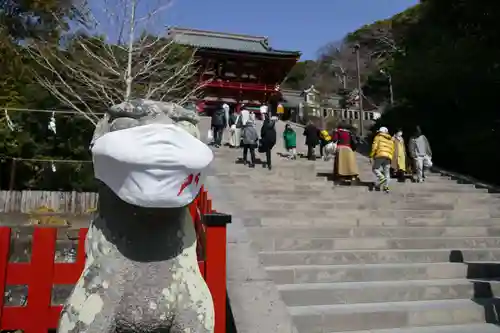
{"x": 141, "y": 272}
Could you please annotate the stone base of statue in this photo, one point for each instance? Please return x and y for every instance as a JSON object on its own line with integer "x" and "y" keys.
{"x": 141, "y": 273}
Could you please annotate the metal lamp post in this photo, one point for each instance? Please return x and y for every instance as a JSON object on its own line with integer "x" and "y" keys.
{"x": 391, "y": 91}
{"x": 360, "y": 94}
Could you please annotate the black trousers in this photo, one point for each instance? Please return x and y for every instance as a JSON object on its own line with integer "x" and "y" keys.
{"x": 250, "y": 148}
{"x": 218, "y": 131}
{"x": 268, "y": 157}
{"x": 311, "y": 153}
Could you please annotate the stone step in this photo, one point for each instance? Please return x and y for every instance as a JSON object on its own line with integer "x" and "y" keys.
{"x": 327, "y": 189}
{"x": 371, "y": 316}
{"x": 396, "y": 259}
{"x": 364, "y": 221}
{"x": 383, "y": 291}
{"x": 375, "y": 203}
{"x": 260, "y": 172}
{"x": 321, "y": 173}
{"x": 466, "y": 328}
{"x": 435, "y": 179}
{"x": 270, "y": 182}
{"x": 317, "y": 184}
{"x": 235, "y": 164}
{"x": 486, "y": 270}
{"x": 355, "y": 213}
{"x": 370, "y": 202}
{"x": 349, "y": 196}
{"x": 273, "y": 233}
{"x": 238, "y": 168}
{"x": 366, "y": 273}
{"x": 352, "y": 257}
{"x": 280, "y": 243}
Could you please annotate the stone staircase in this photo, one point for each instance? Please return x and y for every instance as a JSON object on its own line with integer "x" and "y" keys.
{"x": 344, "y": 259}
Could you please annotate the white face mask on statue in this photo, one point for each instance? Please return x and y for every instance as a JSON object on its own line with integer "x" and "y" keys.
{"x": 154, "y": 166}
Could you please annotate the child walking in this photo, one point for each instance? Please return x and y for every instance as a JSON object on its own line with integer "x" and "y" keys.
{"x": 326, "y": 145}
{"x": 290, "y": 140}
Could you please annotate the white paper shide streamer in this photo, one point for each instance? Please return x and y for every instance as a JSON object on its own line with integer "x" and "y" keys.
{"x": 52, "y": 123}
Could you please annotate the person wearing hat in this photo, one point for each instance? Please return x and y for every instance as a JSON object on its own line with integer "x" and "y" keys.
{"x": 382, "y": 154}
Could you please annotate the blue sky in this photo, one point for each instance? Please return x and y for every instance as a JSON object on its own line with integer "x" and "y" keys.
{"x": 290, "y": 24}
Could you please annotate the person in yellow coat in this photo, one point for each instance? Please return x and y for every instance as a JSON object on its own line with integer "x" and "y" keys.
{"x": 382, "y": 154}
{"x": 398, "y": 164}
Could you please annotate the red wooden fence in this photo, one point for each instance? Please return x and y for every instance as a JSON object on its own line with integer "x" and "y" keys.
{"x": 41, "y": 273}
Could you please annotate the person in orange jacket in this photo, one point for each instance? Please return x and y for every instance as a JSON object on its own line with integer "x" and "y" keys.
{"x": 382, "y": 154}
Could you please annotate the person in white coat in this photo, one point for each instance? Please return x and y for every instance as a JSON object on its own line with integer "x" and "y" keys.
{"x": 227, "y": 109}
{"x": 245, "y": 115}
{"x": 234, "y": 130}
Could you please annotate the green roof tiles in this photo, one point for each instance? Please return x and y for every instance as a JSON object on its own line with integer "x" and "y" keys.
{"x": 225, "y": 41}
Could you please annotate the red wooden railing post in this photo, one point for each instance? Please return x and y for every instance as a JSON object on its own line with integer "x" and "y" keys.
{"x": 4, "y": 263}
{"x": 216, "y": 264}
{"x": 40, "y": 285}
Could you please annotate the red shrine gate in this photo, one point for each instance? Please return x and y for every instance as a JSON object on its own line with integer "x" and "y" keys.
{"x": 237, "y": 69}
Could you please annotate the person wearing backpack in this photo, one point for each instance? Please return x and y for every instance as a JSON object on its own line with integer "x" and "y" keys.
{"x": 290, "y": 140}
{"x": 219, "y": 122}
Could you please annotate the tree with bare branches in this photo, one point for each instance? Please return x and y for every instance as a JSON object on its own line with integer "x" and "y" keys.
{"x": 115, "y": 56}
{"x": 338, "y": 61}
{"x": 378, "y": 39}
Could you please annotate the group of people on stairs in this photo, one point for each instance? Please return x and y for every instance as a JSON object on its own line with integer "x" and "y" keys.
{"x": 242, "y": 132}
{"x": 250, "y": 139}
{"x": 388, "y": 156}
{"x": 341, "y": 144}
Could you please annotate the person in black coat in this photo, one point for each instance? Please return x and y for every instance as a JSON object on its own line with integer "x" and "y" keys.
{"x": 267, "y": 138}
{"x": 311, "y": 132}
{"x": 219, "y": 122}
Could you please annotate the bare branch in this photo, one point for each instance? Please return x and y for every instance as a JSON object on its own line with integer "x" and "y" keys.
{"x": 160, "y": 7}
{"x": 89, "y": 72}
{"x": 337, "y": 67}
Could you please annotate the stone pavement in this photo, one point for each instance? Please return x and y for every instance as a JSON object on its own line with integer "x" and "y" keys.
{"x": 310, "y": 257}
